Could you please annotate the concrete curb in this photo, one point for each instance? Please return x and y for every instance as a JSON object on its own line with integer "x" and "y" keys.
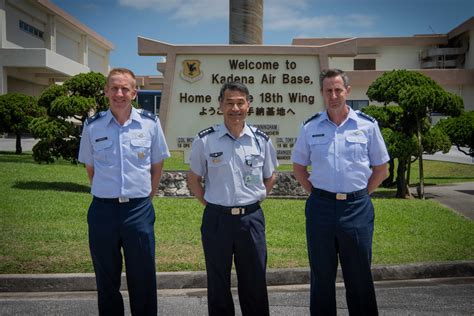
{"x": 181, "y": 280}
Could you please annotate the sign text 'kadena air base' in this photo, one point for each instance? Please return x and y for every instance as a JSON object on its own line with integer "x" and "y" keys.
{"x": 282, "y": 80}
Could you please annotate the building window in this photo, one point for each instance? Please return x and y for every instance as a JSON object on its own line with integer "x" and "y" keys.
{"x": 149, "y": 100}
{"x": 364, "y": 64}
{"x": 357, "y": 104}
{"x": 30, "y": 29}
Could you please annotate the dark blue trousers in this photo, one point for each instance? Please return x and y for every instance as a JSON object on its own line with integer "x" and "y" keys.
{"x": 114, "y": 226}
{"x": 340, "y": 229}
{"x": 243, "y": 237}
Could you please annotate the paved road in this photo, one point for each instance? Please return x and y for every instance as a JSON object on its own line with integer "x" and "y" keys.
{"x": 454, "y": 155}
{"x": 453, "y": 296}
{"x": 9, "y": 143}
{"x": 459, "y": 197}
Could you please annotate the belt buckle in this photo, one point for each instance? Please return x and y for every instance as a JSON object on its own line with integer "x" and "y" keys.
{"x": 341, "y": 196}
{"x": 237, "y": 210}
{"x": 123, "y": 199}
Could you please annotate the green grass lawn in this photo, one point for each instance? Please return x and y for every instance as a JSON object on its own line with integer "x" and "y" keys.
{"x": 439, "y": 172}
{"x": 43, "y": 223}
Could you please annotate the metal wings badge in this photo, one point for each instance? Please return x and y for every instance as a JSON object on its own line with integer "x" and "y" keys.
{"x": 191, "y": 70}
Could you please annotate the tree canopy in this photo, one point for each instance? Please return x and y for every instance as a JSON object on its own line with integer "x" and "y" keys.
{"x": 460, "y": 131}
{"x": 418, "y": 96}
{"x": 67, "y": 106}
{"x": 16, "y": 112}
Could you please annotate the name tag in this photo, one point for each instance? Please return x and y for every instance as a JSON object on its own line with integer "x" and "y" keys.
{"x": 101, "y": 139}
{"x": 317, "y": 135}
{"x": 251, "y": 179}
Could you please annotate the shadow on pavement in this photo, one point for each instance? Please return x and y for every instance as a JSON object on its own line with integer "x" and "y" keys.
{"x": 470, "y": 192}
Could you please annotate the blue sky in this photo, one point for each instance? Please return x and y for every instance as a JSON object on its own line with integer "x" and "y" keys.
{"x": 206, "y": 21}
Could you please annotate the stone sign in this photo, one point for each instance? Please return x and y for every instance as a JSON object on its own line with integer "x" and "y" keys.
{"x": 283, "y": 83}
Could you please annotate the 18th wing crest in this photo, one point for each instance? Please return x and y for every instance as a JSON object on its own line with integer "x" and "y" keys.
{"x": 191, "y": 70}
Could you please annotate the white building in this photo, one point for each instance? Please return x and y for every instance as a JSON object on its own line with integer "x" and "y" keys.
{"x": 41, "y": 44}
{"x": 446, "y": 58}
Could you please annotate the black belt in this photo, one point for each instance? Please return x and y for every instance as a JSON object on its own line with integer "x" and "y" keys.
{"x": 117, "y": 200}
{"x": 235, "y": 210}
{"x": 340, "y": 196}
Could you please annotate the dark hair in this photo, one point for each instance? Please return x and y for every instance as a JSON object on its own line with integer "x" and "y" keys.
{"x": 330, "y": 73}
{"x": 234, "y": 86}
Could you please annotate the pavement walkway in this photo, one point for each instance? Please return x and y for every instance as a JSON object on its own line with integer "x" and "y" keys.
{"x": 454, "y": 155}
{"x": 457, "y": 196}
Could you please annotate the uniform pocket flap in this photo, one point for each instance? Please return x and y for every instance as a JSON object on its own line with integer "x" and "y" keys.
{"x": 102, "y": 145}
{"x": 356, "y": 139}
{"x": 141, "y": 142}
{"x": 318, "y": 140}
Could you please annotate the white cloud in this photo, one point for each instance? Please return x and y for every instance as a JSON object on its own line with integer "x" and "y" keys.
{"x": 186, "y": 11}
{"x": 158, "y": 5}
{"x": 296, "y": 16}
{"x": 202, "y": 10}
{"x": 279, "y": 15}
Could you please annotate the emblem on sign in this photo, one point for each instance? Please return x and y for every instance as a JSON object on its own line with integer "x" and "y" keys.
{"x": 191, "y": 70}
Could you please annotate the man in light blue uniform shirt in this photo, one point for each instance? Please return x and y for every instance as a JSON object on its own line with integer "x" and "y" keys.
{"x": 123, "y": 150}
{"x": 348, "y": 157}
{"x": 237, "y": 162}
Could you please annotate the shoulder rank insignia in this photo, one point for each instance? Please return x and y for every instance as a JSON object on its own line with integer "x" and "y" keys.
{"x": 315, "y": 116}
{"x": 148, "y": 114}
{"x": 366, "y": 116}
{"x": 206, "y": 131}
{"x": 261, "y": 133}
{"x": 94, "y": 117}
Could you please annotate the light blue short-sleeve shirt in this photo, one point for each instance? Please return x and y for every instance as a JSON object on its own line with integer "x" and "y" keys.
{"x": 233, "y": 169}
{"x": 340, "y": 156}
{"x": 122, "y": 155}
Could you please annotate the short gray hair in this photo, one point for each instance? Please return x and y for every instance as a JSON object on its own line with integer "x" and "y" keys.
{"x": 330, "y": 73}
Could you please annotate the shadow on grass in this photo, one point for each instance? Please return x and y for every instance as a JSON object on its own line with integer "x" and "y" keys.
{"x": 55, "y": 186}
{"x": 384, "y": 194}
{"x": 27, "y": 157}
{"x": 9, "y": 156}
{"x": 426, "y": 184}
{"x": 461, "y": 179}
{"x": 392, "y": 195}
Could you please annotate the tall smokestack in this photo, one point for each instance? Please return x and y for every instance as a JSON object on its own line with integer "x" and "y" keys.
{"x": 245, "y": 21}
